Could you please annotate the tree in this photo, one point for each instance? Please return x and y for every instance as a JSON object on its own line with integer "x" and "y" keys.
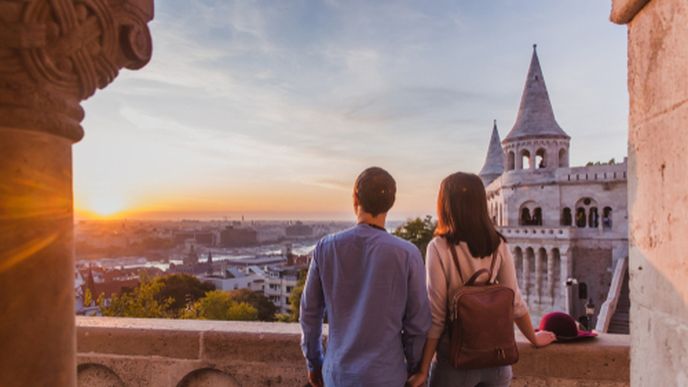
{"x": 265, "y": 308}
{"x": 241, "y": 311}
{"x": 295, "y": 296}
{"x": 183, "y": 289}
{"x": 143, "y": 301}
{"x": 88, "y": 298}
{"x": 417, "y": 231}
{"x": 218, "y": 305}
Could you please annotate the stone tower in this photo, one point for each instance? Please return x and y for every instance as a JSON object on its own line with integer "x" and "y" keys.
{"x": 494, "y": 161}
{"x": 536, "y": 141}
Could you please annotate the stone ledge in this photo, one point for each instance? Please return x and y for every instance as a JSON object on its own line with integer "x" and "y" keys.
{"x": 143, "y": 352}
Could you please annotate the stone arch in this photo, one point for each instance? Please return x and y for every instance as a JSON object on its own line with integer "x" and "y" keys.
{"x": 566, "y": 216}
{"x": 586, "y": 213}
{"x": 526, "y": 213}
{"x": 563, "y": 158}
{"x": 525, "y": 159}
{"x": 510, "y": 161}
{"x": 541, "y": 158}
{"x": 94, "y": 374}
{"x": 207, "y": 377}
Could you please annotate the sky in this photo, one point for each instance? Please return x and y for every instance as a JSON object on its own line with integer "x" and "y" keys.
{"x": 270, "y": 109}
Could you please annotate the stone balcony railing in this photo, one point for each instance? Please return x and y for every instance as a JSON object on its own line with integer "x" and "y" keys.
{"x": 186, "y": 353}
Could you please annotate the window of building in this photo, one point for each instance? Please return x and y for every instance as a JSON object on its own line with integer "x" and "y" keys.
{"x": 525, "y": 159}
{"x": 540, "y": 159}
{"x": 566, "y": 218}
{"x": 537, "y": 217}
{"x": 580, "y": 217}
{"x": 525, "y": 217}
{"x": 593, "y": 218}
{"x": 607, "y": 218}
{"x": 510, "y": 161}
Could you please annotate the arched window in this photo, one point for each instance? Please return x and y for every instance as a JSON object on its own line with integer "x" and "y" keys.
{"x": 593, "y": 218}
{"x": 566, "y": 217}
{"x": 563, "y": 161}
{"x": 580, "y": 217}
{"x": 537, "y": 217}
{"x": 510, "y": 161}
{"x": 540, "y": 159}
{"x": 525, "y": 159}
{"x": 525, "y": 217}
{"x": 607, "y": 218}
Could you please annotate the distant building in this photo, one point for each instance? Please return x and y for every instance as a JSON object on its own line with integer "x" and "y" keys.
{"x": 280, "y": 281}
{"x": 561, "y": 222}
{"x": 299, "y": 230}
{"x": 238, "y": 237}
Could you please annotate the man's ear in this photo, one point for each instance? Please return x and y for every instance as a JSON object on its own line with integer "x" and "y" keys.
{"x": 355, "y": 197}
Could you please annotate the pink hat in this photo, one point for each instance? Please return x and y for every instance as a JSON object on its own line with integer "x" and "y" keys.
{"x": 564, "y": 327}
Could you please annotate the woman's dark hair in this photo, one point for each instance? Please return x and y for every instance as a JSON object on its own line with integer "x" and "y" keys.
{"x": 462, "y": 214}
{"x": 375, "y": 189}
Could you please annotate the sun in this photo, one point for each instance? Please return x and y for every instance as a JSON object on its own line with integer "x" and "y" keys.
{"x": 106, "y": 205}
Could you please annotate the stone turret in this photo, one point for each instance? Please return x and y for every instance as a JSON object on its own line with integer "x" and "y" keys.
{"x": 536, "y": 140}
{"x": 494, "y": 161}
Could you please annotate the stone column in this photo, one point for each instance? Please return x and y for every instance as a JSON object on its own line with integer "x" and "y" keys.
{"x": 566, "y": 270}
{"x": 657, "y": 202}
{"x": 527, "y": 279}
{"x": 539, "y": 257}
{"x": 53, "y": 55}
{"x": 550, "y": 275}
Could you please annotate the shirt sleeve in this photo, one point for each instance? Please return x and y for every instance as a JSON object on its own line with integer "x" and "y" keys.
{"x": 311, "y": 313}
{"x": 417, "y": 316}
{"x": 507, "y": 277}
{"x": 437, "y": 291}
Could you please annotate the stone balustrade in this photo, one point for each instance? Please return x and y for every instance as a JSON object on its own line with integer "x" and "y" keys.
{"x": 187, "y": 353}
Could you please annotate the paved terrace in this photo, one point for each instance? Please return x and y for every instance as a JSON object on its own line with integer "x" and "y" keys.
{"x": 185, "y": 353}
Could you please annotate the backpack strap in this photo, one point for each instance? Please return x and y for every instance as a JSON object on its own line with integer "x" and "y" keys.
{"x": 492, "y": 265}
{"x": 452, "y": 249}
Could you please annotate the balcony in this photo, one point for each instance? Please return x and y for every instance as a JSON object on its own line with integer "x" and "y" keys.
{"x": 185, "y": 353}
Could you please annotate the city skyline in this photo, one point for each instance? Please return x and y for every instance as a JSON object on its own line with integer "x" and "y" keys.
{"x": 271, "y": 111}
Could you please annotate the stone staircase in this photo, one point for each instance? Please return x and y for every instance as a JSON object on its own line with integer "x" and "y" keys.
{"x": 620, "y": 320}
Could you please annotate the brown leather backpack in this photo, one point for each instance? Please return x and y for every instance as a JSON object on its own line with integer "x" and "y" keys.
{"x": 481, "y": 322}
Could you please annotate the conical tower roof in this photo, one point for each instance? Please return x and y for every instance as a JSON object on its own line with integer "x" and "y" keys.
{"x": 494, "y": 161}
{"x": 535, "y": 116}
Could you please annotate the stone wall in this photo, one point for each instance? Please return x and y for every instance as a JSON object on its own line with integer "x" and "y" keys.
{"x": 658, "y": 199}
{"x": 185, "y": 353}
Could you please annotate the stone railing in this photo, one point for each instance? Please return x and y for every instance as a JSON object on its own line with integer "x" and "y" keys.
{"x": 185, "y": 353}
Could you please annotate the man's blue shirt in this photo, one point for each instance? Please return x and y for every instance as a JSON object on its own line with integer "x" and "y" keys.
{"x": 372, "y": 287}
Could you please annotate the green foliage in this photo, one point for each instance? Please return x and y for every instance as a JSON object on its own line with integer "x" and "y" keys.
{"x": 88, "y": 297}
{"x": 417, "y": 231}
{"x": 295, "y": 296}
{"x": 283, "y": 317}
{"x": 141, "y": 302}
{"x": 183, "y": 289}
{"x": 241, "y": 311}
{"x": 219, "y": 305}
{"x": 265, "y": 308}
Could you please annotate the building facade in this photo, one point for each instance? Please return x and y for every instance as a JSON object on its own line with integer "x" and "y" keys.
{"x": 567, "y": 226}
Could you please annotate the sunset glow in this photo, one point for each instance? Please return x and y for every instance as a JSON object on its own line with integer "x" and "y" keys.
{"x": 271, "y": 112}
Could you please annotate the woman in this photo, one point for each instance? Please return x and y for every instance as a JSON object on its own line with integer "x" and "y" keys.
{"x": 463, "y": 223}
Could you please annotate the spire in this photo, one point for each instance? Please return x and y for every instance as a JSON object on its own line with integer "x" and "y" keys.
{"x": 535, "y": 116}
{"x": 494, "y": 161}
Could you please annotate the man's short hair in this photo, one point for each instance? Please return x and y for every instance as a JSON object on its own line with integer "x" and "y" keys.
{"x": 375, "y": 189}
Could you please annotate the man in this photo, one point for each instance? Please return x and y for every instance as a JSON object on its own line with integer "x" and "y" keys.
{"x": 372, "y": 287}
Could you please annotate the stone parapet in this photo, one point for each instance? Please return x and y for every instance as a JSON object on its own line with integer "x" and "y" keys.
{"x": 154, "y": 352}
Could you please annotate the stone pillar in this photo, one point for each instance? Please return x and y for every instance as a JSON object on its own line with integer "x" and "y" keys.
{"x": 53, "y": 55}
{"x": 526, "y": 274}
{"x": 566, "y": 270}
{"x": 539, "y": 260}
{"x": 657, "y": 201}
{"x": 550, "y": 275}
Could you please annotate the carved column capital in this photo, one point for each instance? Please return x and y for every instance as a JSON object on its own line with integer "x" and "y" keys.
{"x": 56, "y": 53}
